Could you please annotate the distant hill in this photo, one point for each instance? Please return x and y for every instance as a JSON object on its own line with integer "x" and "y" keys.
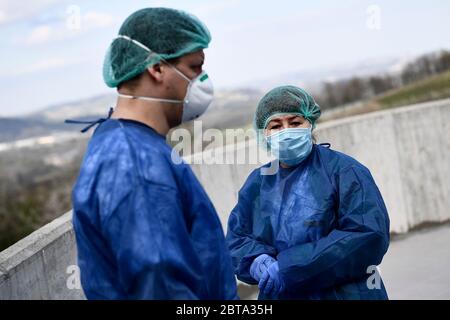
{"x": 83, "y": 109}
{"x": 331, "y": 87}
{"x": 51, "y": 120}
{"x": 231, "y": 108}
{"x": 312, "y": 77}
{"x": 22, "y": 128}
{"x": 432, "y": 88}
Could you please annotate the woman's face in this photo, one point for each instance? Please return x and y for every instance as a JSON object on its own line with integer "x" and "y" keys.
{"x": 286, "y": 121}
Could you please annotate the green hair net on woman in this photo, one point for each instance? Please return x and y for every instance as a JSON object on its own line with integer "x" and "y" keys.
{"x": 167, "y": 33}
{"x": 286, "y": 100}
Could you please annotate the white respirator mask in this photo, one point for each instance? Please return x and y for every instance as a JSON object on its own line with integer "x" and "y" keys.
{"x": 199, "y": 94}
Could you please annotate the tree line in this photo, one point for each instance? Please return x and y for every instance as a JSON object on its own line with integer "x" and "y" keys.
{"x": 354, "y": 89}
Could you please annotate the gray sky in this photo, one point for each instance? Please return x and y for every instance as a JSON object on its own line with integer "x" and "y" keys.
{"x": 47, "y": 57}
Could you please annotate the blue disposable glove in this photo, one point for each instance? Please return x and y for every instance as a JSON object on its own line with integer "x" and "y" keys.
{"x": 260, "y": 265}
{"x": 271, "y": 283}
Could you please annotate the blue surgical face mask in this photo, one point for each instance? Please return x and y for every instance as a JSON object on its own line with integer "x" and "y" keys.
{"x": 292, "y": 145}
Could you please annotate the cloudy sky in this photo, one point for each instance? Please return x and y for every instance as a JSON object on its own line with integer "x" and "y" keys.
{"x": 52, "y": 51}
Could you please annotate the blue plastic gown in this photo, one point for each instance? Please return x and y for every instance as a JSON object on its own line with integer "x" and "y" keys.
{"x": 324, "y": 221}
{"x": 145, "y": 228}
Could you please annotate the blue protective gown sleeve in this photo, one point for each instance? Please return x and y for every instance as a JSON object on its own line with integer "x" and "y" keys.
{"x": 152, "y": 261}
{"x": 360, "y": 239}
{"x": 244, "y": 247}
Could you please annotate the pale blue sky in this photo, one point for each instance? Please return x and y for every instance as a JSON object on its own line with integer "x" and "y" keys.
{"x": 43, "y": 61}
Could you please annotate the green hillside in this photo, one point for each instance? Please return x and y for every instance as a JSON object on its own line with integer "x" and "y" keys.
{"x": 433, "y": 88}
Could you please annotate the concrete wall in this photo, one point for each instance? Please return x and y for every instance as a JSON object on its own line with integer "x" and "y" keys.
{"x": 408, "y": 153}
{"x": 36, "y": 266}
{"x": 406, "y": 149}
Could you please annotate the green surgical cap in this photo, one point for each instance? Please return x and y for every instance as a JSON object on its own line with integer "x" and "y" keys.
{"x": 168, "y": 33}
{"x": 286, "y": 100}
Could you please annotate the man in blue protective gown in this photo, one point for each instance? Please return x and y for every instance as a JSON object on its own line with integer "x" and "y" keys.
{"x": 318, "y": 227}
{"x": 144, "y": 226}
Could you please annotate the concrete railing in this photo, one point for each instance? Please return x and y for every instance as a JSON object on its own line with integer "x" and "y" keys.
{"x": 37, "y": 266}
{"x": 406, "y": 149}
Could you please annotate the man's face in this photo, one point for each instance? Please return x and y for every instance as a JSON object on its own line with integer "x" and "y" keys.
{"x": 191, "y": 65}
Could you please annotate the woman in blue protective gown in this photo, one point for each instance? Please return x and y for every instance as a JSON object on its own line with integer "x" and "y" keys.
{"x": 317, "y": 227}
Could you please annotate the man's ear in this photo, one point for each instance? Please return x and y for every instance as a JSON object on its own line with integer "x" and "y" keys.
{"x": 155, "y": 72}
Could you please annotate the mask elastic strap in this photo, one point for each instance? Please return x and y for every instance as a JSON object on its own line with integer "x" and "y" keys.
{"x": 143, "y": 46}
{"x": 178, "y": 71}
{"x": 134, "y": 41}
{"x": 148, "y": 49}
{"x": 126, "y": 96}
